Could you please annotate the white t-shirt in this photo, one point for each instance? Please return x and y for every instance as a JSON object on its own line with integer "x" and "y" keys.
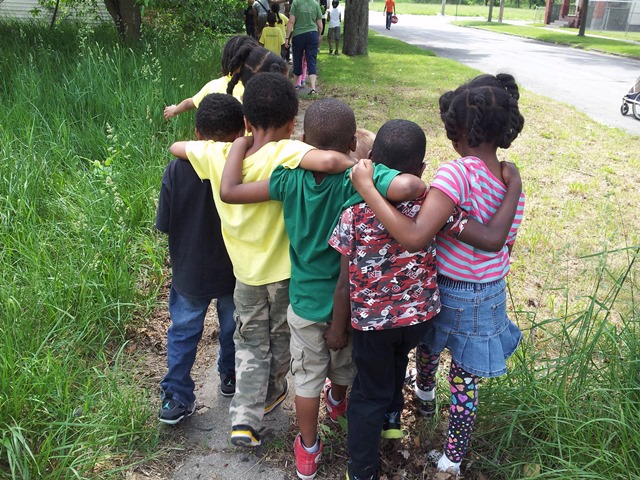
{"x": 334, "y": 17}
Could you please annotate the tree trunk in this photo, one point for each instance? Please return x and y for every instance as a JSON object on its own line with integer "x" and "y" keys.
{"x": 356, "y": 27}
{"x": 127, "y": 18}
{"x": 582, "y": 18}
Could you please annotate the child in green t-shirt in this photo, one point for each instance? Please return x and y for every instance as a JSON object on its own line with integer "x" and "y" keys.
{"x": 312, "y": 203}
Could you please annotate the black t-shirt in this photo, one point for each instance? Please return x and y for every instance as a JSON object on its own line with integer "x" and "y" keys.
{"x": 199, "y": 260}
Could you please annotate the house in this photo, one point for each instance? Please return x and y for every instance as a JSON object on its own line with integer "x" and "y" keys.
{"x": 606, "y": 15}
{"x": 34, "y": 10}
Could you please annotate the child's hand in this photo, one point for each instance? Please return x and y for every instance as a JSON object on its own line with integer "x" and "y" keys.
{"x": 170, "y": 111}
{"x": 362, "y": 174}
{"x": 510, "y": 174}
{"x": 335, "y": 340}
{"x": 244, "y": 143}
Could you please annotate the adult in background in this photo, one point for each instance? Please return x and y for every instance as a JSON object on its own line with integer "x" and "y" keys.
{"x": 304, "y": 32}
{"x": 390, "y": 10}
{"x": 260, "y": 10}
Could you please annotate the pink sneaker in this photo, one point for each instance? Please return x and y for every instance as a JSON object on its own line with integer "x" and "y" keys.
{"x": 334, "y": 411}
{"x": 306, "y": 463}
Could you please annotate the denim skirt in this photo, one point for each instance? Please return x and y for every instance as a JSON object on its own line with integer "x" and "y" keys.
{"x": 474, "y": 326}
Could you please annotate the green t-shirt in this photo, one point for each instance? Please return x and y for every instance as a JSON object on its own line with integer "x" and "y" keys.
{"x": 307, "y": 13}
{"x": 311, "y": 212}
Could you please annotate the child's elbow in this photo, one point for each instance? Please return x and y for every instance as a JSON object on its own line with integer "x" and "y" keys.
{"x": 225, "y": 194}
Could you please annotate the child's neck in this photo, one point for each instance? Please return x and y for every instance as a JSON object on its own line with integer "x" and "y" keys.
{"x": 488, "y": 154}
{"x": 261, "y": 137}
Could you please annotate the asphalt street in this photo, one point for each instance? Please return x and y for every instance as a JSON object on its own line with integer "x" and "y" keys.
{"x": 593, "y": 83}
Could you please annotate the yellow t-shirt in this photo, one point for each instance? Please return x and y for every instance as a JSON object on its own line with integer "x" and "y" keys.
{"x": 272, "y": 39}
{"x": 219, "y": 85}
{"x": 254, "y": 234}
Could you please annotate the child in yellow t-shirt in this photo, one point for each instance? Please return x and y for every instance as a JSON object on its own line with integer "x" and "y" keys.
{"x": 272, "y": 37}
{"x": 219, "y": 85}
{"x": 258, "y": 245}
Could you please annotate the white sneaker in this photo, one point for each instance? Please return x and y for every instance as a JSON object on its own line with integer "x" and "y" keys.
{"x": 442, "y": 462}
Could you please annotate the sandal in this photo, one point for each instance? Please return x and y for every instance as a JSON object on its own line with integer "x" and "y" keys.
{"x": 313, "y": 91}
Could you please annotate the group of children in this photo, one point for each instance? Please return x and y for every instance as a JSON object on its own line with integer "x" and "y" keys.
{"x": 336, "y": 273}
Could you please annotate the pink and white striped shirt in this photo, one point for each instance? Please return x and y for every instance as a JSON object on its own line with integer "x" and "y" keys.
{"x": 470, "y": 184}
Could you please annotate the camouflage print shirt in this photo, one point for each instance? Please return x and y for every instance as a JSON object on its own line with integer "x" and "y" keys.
{"x": 389, "y": 287}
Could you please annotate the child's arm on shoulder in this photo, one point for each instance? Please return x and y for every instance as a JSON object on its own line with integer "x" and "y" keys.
{"x": 492, "y": 236}
{"x": 414, "y": 233}
{"x": 232, "y": 190}
{"x": 326, "y": 161}
{"x": 184, "y": 106}
{"x": 179, "y": 150}
{"x": 336, "y": 335}
{"x": 405, "y": 187}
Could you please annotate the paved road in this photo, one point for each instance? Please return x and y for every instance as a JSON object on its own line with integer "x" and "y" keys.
{"x": 593, "y": 83}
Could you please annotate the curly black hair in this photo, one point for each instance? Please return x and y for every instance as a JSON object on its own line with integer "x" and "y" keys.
{"x": 485, "y": 110}
{"x": 400, "y": 144}
{"x": 270, "y": 101}
{"x": 231, "y": 48}
{"x": 330, "y": 124}
{"x": 250, "y": 60}
{"x": 219, "y": 115}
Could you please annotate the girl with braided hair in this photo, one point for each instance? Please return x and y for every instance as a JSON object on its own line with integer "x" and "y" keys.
{"x": 251, "y": 60}
{"x": 479, "y": 117}
{"x": 219, "y": 85}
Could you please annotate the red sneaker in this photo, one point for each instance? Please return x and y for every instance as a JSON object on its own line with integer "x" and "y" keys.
{"x": 306, "y": 463}
{"x": 334, "y": 411}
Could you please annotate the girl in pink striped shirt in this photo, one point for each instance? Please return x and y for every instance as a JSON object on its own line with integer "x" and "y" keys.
{"x": 479, "y": 117}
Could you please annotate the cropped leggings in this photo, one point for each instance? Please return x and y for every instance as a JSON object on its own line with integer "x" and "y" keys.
{"x": 464, "y": 399}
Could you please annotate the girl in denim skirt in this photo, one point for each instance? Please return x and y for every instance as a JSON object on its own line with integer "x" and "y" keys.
{"x": 479, "y": 117}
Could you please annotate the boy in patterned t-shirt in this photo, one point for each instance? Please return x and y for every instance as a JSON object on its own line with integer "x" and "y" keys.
{"x": 390, "y": 294}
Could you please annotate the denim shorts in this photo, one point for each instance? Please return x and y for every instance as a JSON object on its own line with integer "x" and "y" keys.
{"x": 474, "y": 326}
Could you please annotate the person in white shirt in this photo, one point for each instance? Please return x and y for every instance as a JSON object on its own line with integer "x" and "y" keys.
{"x": 334, "y": 18}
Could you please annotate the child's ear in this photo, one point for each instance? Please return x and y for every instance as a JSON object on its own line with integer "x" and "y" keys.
{"x": 369, "y": 155}
{"x": 292, "y": 126}
{"x": 198, "y": 136}
{"x": 354, "y": 144}
{"x": 247, "y": 124}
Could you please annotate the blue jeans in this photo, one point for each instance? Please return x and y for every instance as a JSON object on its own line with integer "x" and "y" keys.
{"x": 187, "y": 323}
{"x": 305, "y": 44}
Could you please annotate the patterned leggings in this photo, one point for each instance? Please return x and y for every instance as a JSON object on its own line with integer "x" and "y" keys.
{"x": 464, "y": 399}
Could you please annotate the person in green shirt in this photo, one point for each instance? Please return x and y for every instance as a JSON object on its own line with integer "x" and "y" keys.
{"x": 304, "y": 32}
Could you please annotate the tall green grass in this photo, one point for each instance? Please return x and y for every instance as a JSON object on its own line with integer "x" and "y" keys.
{"x": 570, "y": 407}
{"x": 82, "y": 150}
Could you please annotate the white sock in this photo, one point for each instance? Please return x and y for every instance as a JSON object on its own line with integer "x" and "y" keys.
{"x": 425, "y": 394}
{"x": 314, "y": 448}
{"x": 446, "y": 465}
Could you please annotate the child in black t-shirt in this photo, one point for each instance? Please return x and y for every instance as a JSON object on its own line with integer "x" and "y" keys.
{"x": 201, "y": 268}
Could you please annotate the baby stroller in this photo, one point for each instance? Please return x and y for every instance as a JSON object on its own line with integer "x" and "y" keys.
{"x": 633, "y": 98}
